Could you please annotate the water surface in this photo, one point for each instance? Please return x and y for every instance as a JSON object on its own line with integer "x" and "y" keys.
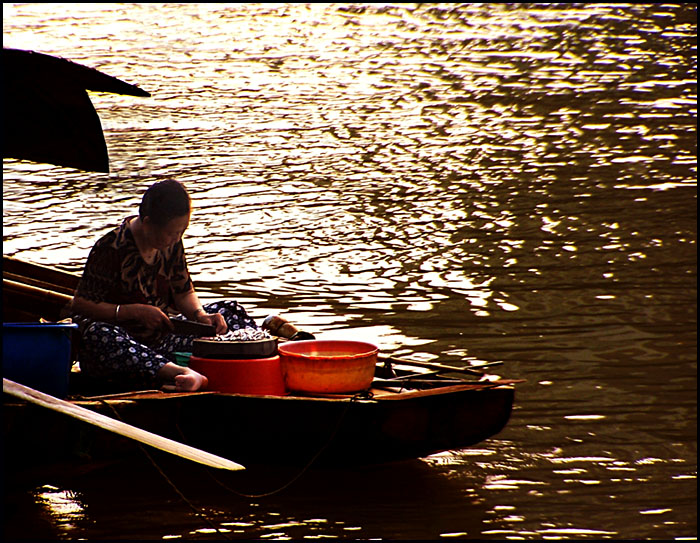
{"x": 468, "y": 182}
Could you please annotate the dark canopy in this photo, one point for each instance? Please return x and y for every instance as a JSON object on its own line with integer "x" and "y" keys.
{"x": 48, "y": 116}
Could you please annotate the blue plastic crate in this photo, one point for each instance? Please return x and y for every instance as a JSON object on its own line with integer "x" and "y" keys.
{"x": 38, "y": 355}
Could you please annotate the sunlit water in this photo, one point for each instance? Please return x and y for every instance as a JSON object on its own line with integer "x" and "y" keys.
{"x": 471, "y": 182}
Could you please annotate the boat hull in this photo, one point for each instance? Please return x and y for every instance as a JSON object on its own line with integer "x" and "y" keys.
{"x": 286, "y": 430}
{"x": 255, "y": 430}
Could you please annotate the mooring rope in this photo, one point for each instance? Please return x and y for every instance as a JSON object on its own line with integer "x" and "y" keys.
{"x": 364, "y": 395}
{"x": 197, "y": 511}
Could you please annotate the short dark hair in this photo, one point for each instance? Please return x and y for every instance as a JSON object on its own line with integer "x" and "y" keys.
{"x": 164, "y": 201}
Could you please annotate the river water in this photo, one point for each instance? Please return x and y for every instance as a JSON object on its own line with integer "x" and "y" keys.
{"x": 464, "y": 182}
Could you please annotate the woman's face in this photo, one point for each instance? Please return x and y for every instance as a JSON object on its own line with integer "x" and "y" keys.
{"x": 162, "y": 237}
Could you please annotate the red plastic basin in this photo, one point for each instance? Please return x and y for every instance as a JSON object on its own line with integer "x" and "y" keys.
{"x": 327, "y": 366}
{"x": 261, "y": 376}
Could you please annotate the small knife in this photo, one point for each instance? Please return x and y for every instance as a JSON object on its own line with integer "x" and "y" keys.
{"x": 192, "y": 328}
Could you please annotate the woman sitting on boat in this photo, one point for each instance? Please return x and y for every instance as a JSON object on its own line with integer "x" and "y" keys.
{"x": 134, "y": 277}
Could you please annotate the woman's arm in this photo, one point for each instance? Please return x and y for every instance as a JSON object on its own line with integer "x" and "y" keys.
{"x": 149, "y": 316}
{"x": 190, "y": 306}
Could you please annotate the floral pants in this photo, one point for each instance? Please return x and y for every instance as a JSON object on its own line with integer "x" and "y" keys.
{"x": 108, "y": 352}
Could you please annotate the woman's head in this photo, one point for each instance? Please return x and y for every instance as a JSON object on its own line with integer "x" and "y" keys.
{"x": 165, "y": 213}
{"x": 164, "y": 201}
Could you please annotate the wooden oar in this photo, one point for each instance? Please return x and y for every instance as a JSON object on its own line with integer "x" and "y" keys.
{"x": 118, "y": 427}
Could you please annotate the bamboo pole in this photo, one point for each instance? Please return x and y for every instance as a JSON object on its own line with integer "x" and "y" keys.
{"x": 437, "y": 366}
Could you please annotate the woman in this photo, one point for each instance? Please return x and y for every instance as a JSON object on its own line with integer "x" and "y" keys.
{"x": 134, "y": 277}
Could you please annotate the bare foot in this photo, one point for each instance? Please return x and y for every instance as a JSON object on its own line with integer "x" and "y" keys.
{"x": 190, "y": 381}
{"x": 182, "y": 379}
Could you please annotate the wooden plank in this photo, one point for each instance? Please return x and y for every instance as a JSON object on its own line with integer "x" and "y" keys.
{"x": 117, "y": 427}
{"x": 37, "y": 292}
{"x": 50, "y": 276}
{"x": 22, "y": 302}
{"x": 31, "y": 281}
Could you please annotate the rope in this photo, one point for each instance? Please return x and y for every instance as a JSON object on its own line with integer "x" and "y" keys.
{"x": 199, "y": 513}
{"x": 359, "y": 396}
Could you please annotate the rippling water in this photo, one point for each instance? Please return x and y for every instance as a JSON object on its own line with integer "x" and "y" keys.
{"x": 475, "y": 182}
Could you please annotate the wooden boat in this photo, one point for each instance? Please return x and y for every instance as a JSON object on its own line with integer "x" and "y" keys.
{"x": 48, "y": 115}
{"x": 408, "y": 412}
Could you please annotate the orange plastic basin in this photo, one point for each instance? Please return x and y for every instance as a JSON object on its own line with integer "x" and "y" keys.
{"x": 327, "y": 366}
{"x": 261, "y": 376}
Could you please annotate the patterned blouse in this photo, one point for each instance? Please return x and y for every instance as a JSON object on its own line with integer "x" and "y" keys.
{"x": 116, "y": 273}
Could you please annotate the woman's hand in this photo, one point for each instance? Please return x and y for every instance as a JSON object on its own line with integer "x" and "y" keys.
{"x": 151, "y": 317}
{"x": 189, "y": 305}
{"x": 214, "y": 319}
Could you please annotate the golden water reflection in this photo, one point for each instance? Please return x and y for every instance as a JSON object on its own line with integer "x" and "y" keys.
{"x": 64, "y": 507}
{"x": 469, "y": 182}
